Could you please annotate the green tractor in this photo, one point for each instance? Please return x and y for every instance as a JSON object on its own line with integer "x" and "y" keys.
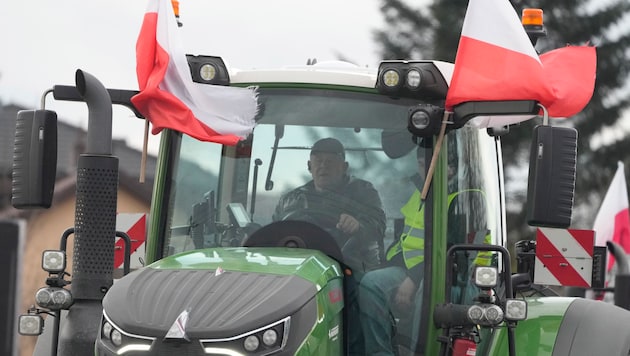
{"x": 226, "y": 274}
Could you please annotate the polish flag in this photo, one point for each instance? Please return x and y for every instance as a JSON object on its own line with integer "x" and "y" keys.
{"x": 497, "y": 61}
{"x": 612, "y": 222}
{"x": 170, "y": 99}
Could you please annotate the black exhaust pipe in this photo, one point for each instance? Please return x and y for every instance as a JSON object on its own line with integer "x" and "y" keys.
{"x": 95, "y": 222}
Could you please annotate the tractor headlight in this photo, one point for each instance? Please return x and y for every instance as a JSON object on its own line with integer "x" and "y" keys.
{"x": 425, "y": 120}
{"x": 53, "y": 261}
{"x": 391, "y": 78}
{"x": 116, "y": 337}
{"x": 475, "y": 313}
{"x": 494, "y": 314}
{"x": 420, "y": 119}
{"x": 414, "y": 79}
{"x": 106, "y": 330}
{"x": 486, "y": 277}
{"x": 270, "y": 337}
{"x": 515, "y": 309}
{"x": 208, "y": 72}
{"x": 30, "y": 324}
{"x": 251, "y": 343}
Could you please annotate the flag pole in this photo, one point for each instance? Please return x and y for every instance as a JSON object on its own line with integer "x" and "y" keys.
{"x": 436, "y": 152}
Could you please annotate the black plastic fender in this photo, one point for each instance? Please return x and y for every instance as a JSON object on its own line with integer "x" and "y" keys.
{"x": 593, "y": 327}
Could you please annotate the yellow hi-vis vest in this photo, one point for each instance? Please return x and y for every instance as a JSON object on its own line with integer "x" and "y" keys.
{"x": 483, "y": 258}
{"x": 411, "y": 241}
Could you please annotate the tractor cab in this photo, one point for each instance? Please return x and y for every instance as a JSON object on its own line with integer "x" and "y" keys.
{"x": 216, "y": 212}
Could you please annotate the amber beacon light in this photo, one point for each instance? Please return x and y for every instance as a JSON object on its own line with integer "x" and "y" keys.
{"x": 532, "y": 20}
{"x": 532, "y": 17}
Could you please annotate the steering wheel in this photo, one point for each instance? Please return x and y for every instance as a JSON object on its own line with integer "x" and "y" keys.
{"x": 350, "y": 246}
{"x": 323, "y": 219}
{"x": 297, "y": 234}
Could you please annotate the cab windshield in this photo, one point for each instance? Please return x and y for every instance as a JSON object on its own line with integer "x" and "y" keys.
{"x": 218, "y": 195}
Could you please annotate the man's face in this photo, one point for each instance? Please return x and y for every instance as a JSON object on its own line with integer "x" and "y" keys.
{"x": 327, "y": 169}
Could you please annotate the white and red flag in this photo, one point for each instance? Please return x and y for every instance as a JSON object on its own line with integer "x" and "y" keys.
{"x": 170, "y": 99}
{"x": 497, "y": 61}
{"x": 612, "y": 222}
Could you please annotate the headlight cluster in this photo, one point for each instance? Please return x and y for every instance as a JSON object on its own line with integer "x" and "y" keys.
{"x": 121, "y": 342}
{"x": 485, "y": 314}
{"x": 263, "y": 341}
{"x": 54, "y": 298}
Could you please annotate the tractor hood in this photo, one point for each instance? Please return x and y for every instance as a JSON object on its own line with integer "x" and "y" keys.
{"x": 224, "y": 291}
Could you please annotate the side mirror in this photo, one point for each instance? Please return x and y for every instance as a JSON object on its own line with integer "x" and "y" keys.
{"x": 34, "y": 159}
{"x": 551, "y": 183}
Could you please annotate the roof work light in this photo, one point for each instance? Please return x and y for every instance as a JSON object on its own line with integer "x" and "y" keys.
{"x": 412, "y": 79}
{"x": 208, "y": 70}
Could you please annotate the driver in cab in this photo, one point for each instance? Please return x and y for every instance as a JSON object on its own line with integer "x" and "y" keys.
{"x": 334, "y": 200}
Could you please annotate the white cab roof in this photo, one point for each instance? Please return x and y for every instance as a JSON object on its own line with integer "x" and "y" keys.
{"x": 331, "y": 73}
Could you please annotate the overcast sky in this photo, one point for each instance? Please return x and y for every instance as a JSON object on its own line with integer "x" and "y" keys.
{"x": 43, "y": 43}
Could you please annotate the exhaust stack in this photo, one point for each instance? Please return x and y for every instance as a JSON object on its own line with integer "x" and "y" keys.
{"x": 95, "y": 222}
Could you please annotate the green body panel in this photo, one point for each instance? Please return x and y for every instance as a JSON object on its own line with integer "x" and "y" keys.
{"x": 438, "y": 252}
{"x": 534, "y": 336}
{"x": 158, "y": 198}
{"x": 327, "y": 334}
{"x": 311, "y": 265}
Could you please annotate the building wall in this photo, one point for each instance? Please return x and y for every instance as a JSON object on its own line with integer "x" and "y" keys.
{"x": 44, "y": 230}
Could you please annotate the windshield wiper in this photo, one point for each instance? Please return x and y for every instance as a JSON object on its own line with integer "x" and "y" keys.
{"x": 279, "y": 132}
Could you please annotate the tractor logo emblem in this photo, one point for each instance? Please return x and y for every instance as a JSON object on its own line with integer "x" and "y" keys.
{"x": 178, "y": 329}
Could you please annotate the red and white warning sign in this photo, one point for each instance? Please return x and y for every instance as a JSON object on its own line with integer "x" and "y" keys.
{"x": 564, "y": 257}
{"x": 134, "y": 225}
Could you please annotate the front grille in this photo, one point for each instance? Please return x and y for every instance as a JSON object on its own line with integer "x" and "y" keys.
{"x": 177, "y": 347}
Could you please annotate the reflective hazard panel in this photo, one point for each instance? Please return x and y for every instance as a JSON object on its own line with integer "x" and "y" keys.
{"x": 134, "y": 225}
{"x": 564, "y": 257}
